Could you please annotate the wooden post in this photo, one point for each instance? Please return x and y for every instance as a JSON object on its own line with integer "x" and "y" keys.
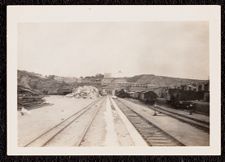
{"x": 155, "y": 112}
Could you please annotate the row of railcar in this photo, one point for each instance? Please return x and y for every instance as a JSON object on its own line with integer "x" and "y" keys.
{"x": 181, "y": 99}
{"x": 145, "y": 96}
{"x": 183, "y": 95}
{"x": 121, "y": 93}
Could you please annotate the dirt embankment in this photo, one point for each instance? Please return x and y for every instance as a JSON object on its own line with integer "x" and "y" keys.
{"x": 46, "y": 85}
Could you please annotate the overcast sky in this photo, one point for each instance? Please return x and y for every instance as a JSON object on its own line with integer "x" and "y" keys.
{"x": 177, "y": 49}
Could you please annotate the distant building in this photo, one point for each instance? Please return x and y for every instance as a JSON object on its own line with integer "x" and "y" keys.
{"x": 119, "y": 81}
{"x": 79, "y": 80}
{"x": 203, "y": 87}
{"x": 65, "y": 79}
{"x": 150, "y": 85}
{"x": 106, "y": 81}
{"x": 107, "y": 75}
{"x": 191, "y": 87}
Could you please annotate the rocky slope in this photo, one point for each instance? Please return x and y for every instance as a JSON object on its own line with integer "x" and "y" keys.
{"x": 45, "y": 85}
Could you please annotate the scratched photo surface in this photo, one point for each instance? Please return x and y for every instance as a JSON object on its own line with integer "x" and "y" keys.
{"x": 113, "y": 84}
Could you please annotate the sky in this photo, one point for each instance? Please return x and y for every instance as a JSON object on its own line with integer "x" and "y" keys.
{"x": 176, "y": 49}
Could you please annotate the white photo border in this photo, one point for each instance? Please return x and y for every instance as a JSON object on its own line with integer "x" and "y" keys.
{"x": 61, "y": 14}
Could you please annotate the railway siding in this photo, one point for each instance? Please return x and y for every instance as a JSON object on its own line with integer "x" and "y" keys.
{"x": 134, "y": 134}
{"x": 196, "y": 120}
{"x": 153, "y": 135}
{"x": 183, "y": 132}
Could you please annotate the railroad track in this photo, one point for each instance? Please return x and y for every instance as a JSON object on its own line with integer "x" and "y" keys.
{"x": 48, "y": 136}
{"x": 152, "y": 134}
{"x": 203, "y": 125}
{"x": 194, "y": 122}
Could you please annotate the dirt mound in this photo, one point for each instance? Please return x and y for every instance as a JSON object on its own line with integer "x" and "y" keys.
{"x": 85, "y": 92}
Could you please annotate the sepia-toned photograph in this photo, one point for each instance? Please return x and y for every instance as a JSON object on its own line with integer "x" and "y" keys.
{"x": 82, "y": 84}
{"x": 113, "y": 84}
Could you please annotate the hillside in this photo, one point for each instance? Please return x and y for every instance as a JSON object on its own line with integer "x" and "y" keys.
{"x": 68, "y": 80}
{"x": 58, "y": 85}
{"x": 46, "y": 85}
{"x": 162, "y": 81}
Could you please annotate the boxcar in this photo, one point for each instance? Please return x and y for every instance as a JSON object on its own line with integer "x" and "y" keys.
{"x": 131, "y": 94}
{"x": 181, "y": 98}
{"x": 121, "y": 93}
{"x": 136, "y": 95}
{"x": 148, "y": 97}
{"x": 183, "y": 95}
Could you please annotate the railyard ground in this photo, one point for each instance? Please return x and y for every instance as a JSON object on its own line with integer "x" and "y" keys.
{"x": 107, "y": 129}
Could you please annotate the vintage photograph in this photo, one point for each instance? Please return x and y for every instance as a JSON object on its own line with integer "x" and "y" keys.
{"x": 113, "y": 83}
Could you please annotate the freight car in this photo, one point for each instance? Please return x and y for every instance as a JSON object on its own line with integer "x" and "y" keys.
{"x": 136, "y": 95}
{"x": 131, "y": 94}
{"x": 103, "y": 92}
{"x": 182, "y": 98}
{"x": 121, "y": 93}
{"x": 145, "y": 96}
{"x": 148, "y": 97}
